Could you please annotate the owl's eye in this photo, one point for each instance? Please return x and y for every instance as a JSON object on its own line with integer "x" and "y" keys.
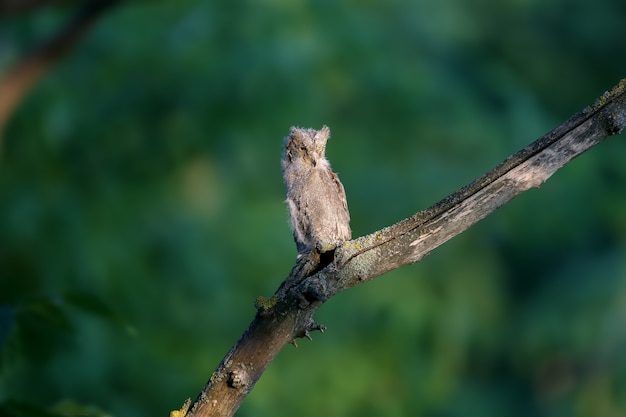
{"x": 300, "y": 149}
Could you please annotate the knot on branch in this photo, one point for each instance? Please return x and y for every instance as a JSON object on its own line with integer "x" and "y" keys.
{"x": 238, "y": 378}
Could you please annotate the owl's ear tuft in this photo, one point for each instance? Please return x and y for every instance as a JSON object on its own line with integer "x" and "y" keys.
{"x": 325, "y": 132}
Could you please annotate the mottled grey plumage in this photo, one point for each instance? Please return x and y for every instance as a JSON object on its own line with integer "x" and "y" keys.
{"x": 316, "y": 198}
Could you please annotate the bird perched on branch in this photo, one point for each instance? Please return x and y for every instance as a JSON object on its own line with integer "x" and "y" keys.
{"x": 316, "y": 198}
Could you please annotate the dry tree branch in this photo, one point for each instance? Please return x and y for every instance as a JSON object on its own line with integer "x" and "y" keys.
{"x": 18, "y": 81}
{"x": 288, "y": 314}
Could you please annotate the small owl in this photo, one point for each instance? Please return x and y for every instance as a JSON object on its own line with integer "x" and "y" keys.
{"x": 316, "y": 199}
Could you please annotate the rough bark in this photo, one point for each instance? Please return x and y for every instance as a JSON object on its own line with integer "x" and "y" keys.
{"x": 315, "y": 279}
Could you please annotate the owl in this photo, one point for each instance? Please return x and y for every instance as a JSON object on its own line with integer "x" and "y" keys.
{"x": 316, "y": 199}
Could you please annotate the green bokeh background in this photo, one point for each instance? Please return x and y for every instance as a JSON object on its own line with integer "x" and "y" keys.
{"x": 141, "y": 207}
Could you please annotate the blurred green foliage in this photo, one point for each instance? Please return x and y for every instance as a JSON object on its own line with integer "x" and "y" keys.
{"x": 141, "y": 208}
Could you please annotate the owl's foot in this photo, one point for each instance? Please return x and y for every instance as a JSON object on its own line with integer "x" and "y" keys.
{"x": 306, "y": 264}
{"x": 322, "y": 254}
{"x": 306, "y": 332}
{"x": 324, "y": 247}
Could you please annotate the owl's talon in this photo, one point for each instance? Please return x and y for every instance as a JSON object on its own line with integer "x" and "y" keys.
{"x": 324, "y": 247}
{"x": 306, "y": 332}
{"x": 317, "y": 326}
{"x": 307, "y": 263}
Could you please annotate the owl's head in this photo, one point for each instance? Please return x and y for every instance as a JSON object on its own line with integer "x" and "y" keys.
{"x": 309, "y": 144}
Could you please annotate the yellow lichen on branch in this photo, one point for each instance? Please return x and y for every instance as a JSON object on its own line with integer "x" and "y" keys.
{"x": 182, "y": 411}
{"x": 618, "y": 89}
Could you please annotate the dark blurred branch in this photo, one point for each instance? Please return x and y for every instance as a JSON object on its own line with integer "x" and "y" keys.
{"x": 314, "y": 280}
{"x": 18, "y": 81}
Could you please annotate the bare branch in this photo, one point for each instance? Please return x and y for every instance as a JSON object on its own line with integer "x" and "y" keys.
{"x": 318, "y": 277}
{"x": 412, "y": 239}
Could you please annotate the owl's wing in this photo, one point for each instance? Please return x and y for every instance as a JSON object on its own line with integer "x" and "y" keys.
{"x": 341, "y": 192}
{"x": 342, "y": 221}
